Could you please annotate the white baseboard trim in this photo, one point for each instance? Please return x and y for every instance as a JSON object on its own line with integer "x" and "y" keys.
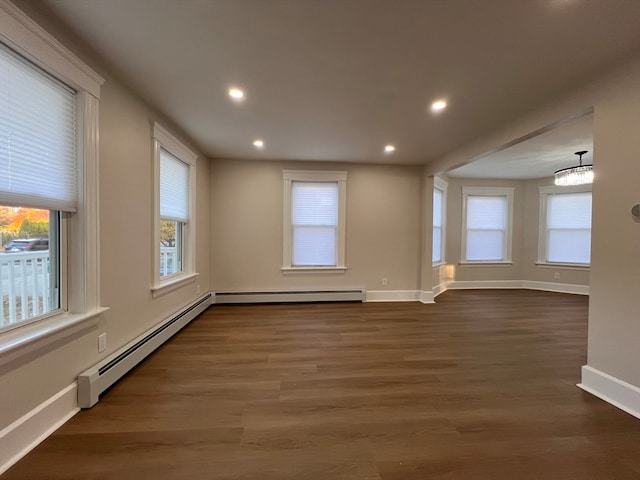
{"x": 441, "y": 288}
{"x": 526, "y": 284}
{"x": 481, "y": 284}
{"x": 23, "y": 435}
{"x": 393, "y": 295}
{"x": 611, "y": 389}
{"x": 557, "y": 287}
{"x": 427, "y": 297}
{"x": 291, "y": 296}
{"x": 423, "y": 296}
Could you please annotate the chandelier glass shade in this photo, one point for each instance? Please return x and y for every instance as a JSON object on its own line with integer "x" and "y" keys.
{"x": 578, "y": 175}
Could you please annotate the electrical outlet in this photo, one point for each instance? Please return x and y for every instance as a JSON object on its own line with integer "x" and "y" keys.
{"x": 384, "y": 281}
{"x": 102, "y": 342}
{"x": 556, "y": 275}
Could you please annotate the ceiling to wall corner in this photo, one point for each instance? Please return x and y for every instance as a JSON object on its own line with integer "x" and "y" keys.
{"x": 338, "y": 80}
{"x": 536, "y": 157}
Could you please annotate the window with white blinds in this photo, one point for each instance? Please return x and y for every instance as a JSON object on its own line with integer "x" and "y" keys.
{"x": 48, "y": 156}
{"x": 37, "y": 138}
{"x": 174, "y": 188}
{"x": 314, "y": 221}
{"x": 174, "y": 239}
{"x": 568, "y": 228}
{"x": 438, "y": 222}
{"x": 487, "y": 234}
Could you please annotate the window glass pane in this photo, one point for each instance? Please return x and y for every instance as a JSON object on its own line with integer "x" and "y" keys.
{"x": 572, "y": 210}
{"x": 314, "y": 203}
{"x": 314, "y": 246}
{"x": 437, "y": 244}
{"x": 571, "y": 246}
{"x": 29, "y": 263}
{"x": 174, "y": 188}
{"x": 436, "y": 255}
{"x": 569, "y": 228}
{"x": 437, "y": 207}
{"x": 170, "y": 247}
{"x": 314, "y": 219}
{"x": 486, "y": 212}
{"x": 485, "y": 245}
{"x": 37, "y": 138}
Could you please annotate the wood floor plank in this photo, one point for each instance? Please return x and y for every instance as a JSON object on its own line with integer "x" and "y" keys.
{"x": 480, "y": 385}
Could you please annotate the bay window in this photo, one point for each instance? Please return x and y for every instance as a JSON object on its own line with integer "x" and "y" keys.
{"x": 487, "y": 218}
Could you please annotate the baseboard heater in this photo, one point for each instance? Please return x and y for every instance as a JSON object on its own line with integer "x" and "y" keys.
{"x": 291, "y": 296}
{"x": 101, "y": 376}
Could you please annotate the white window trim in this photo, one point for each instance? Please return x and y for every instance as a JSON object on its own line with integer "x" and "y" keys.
{"x": 490, "y": 192}
{"x": 290, "y": 176}
{"x": 441, "y": 185}
{"x": 544, "y": 192}
{"x": 27, "y": 38}
{"x": 163, "y": 139}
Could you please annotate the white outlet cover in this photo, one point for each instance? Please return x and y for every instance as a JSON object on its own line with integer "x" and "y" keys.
{"x": 102, "y": 342}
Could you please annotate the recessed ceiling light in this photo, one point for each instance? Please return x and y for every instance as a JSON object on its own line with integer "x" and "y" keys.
{"x": 258, "y": 143}
{"x": 236, "y": 94}
{"x": 389, "y": 148}
{"x": 439, "y": 105}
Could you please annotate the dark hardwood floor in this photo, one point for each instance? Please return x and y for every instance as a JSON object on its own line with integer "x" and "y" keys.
{"x": 479, "y": 386}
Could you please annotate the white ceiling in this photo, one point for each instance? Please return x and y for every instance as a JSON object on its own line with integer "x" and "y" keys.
{"x": 338, "y": 79}
{"x": 536, "y": 157}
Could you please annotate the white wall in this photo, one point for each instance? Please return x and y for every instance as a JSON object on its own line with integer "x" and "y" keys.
{"x": 454, "y": 232}
{"x": 383, "y": 227}
{"x": 614, "y": 318}
{"x": 126, "y": 207}
{"x": 614, "y": 323}
{"x": 524, "y": 241}
{"x": 239, "y": 207}
{"x": 540, "y": 273}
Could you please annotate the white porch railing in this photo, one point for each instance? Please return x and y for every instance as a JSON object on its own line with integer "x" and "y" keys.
{"x": 25, "y": 283}
{"x": 168, "y": 259}
{"x": 24, "y": 286}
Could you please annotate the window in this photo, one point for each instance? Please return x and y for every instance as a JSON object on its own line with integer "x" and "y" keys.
{"x": 565, "y": 225}
{"x": 439, "y": 216}
{"x": 314, "y": 224}
{"x": 37, "y": 182}
{"x": 30, "y": 265}
{"x": 174, "y": 212}
{"x": 487, "y": 214}
{"x": 49, "y": 260}
{"x": 174, "y": 232}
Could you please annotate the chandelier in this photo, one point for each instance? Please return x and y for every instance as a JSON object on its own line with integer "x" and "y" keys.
{"x": 578, "y": 175}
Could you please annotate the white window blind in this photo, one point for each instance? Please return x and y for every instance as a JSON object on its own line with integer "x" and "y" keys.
{"x": 437, "y": 225}
{"x": 37, "y": 138}
{"x": 174, "y": 188}
{"x": 569, "y": 228}
{"x": 314, "y": 223}
{"x": 486, "y": 227}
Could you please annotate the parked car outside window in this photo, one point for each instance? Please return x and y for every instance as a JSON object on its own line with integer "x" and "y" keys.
{"x": 27, "y": 245}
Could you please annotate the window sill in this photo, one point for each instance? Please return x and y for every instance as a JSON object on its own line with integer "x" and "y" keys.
{"x": 173, "y": 284}
{"x": 438, "y": 264}
{"x": 564, "y": 266}
{"x": 485, "y": 264}
{"x": 302, "y": 270}
{"x": 33, "y": 337}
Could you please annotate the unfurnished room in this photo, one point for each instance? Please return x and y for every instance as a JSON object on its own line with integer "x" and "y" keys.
{"x": 320, "y": 239}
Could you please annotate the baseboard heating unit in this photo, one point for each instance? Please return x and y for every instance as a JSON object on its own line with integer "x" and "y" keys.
{"x": 104, "y": 374}
{"x": 291, "y": 296}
